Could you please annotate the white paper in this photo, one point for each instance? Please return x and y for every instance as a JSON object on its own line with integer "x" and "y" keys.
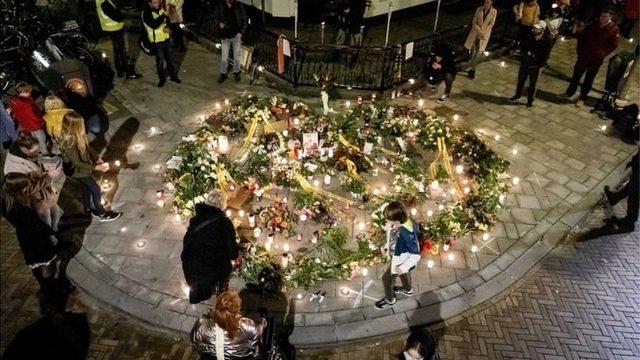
{"x": 174, "y": 162}
{"x": 311, "y": 167}
{"x": 402, "y": 144}
{"x": 408, "y": 51}
{"x": 286, "y": 47}
{"x": 367, "y": 148}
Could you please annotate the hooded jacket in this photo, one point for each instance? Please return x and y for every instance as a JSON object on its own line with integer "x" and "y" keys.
{"x": 207, "y": 252}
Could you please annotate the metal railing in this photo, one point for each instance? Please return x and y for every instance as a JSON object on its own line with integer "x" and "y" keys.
{"x": 364, "y": 68}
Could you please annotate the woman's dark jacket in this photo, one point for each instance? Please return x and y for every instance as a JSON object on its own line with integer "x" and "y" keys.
{"x": 33, "y": 234}
{"x": 207, "y": 252}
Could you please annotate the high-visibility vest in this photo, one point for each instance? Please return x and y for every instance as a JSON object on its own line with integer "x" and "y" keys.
{"x": 107, "y": 23}
{"x": 157, "y": 35}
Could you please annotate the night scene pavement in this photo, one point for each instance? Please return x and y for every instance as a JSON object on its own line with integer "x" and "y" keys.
{"x": 579, "y": 302}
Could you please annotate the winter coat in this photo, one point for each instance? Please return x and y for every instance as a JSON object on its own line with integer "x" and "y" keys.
{"x": 535, "y": 53}
{"x": 32, "y": 233}
{"x": 481, "y": 25}
{"x": 81, "y": 168}
{"x": 595, "y": 43}
{"x": 7, "y": 126}
{"x": 207, "y": 252}
{"x": 234, "y": 19}
{"x": 243, "y": 346}
{"x": 17, "y": 162}
{"x": 26, "y": 113}
{"x": 527, "y": 15}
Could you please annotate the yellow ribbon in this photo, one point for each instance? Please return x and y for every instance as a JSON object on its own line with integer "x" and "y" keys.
{"x": 306, "y": 186}
{"x": 346, "y": 143}
{"x": 223, "y": 177}
{"x": 351, "y": 168}
{"x": 246, "y": 146}
{"x": 443, "y": 156}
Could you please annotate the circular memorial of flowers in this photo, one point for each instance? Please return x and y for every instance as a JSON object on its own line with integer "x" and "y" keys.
{"x": 306, "y": 191}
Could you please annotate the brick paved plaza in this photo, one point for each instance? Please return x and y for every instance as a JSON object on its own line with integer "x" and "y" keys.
{"x": 579, "y": 302}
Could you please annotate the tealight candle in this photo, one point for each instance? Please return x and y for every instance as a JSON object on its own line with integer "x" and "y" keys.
{"x": 223, "y": 144}
{"x": 140, "y": 244}
{"x": 285, "y": 261}
{"x": 347, "y": 103}
{"x": 252, "y": 220}
{"x": 267, "y": 246}
{"x": 286, "y": 247}
{"x": 327, "y": 179}
{"x": 296, "y": 121}
{"x": 474, "y": 249}
{"x": 362, "y": 225}
{"x": 303, "y": 217}
{"x": 228, "y": 213}
{"x": 345, "y": 291}
{"x": 270, "y": 237}
{"x": 160, "y": 203}
{"x": 159, "y": 194}
{"x": 515, "y": 180}
{"x": 241, "y": 213}
{"x": 314, "y": 239}
{"x": 514, "y": 151}
{"x": 441, "y": 207}
{"x": 445, "y": 247}
{"x": 420, "y": 103}
{"x": 414, "y": 212}
{"x": 365, "y": 272}
{"x": 257, "y": 232}
{"x": 485, "y": 236}
{"x": 429, "y": 212}
{"x": 459, "y": 169}
{"x": 117, "y": 163}
{"x": 316, "y": 182}
{"x": 330, "y": 153}
{"x": 429, "y": 264}
{"x": 451, "y": 256}
{"x": 466, "y": 190}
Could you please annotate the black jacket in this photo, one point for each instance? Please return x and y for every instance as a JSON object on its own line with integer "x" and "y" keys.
{"x": 233, "y": 18}
{"x": 32, "y": 233}
{"x": 447, "y": 64}
{"x": 535, "y": 53}
{"x": 207, "y": 252}
{"x": 150, "y": 21}
{"x": 112, "y": 11}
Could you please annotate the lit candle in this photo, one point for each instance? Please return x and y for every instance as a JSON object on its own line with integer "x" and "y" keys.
{"x": 296, "y": 121}
{"x": 140, "y": 244}
{"x": 440, "y": 207}
{"x": 160, "y": 203}
{"x": 603, "y": 127}
{"x": 359, "y": 100}
{"x": 270, "y": 237}
{"x": 497, "y": 137}
{"x": 285, "y": 200}
{"x": 514, "y": 151}
{"x": 123, "y": 229}
{"x": 330, "y": 153}
{"x": 257, "y": 232}
{"x": 285, "y": 261}
{"x": 347, "y": 103}
{"x": 228, "y": 212}
{"x": 299, "y": 296}
{"x": 218, "y": 106}
{"x": 375, "y": 171}
{"x": 376, "y": 192}
{"x": 412, "y": 81}
{"x": 435, "y": 185}
{"x": 345, "y": 291}
{"x": 286, "y": 247}
{"x": 456, "y": 117}
{"x": 365, "y": 272}
{"x": 314, "y": 239}
{"x": 285, "y": 133}
{"x": 429, "y": 212}
{"x": 241, "y": 213}
{"x": 414, "y": 212}
{"x": 474, "y": 249}
{"x": 485, "y": 236}
{"x": 299, "y": 237}
{"x": 515, "y": 180}
{"x": 159, "y": 194}
{"x": 466, "y": 190}
{"x": 116, "y": 163}
{"x": 303, "y": 217}
{"x": 459, "y": 169}
{"x": 362, "y": 226}
{"x": 327, "y": 179}
{"x": 267, "y": 246}
{"x": 177, "y": 218}
{"x": 153, "y": 130}
{"x": 452, "y": 191}
{"x": 252, "y": 220}
{"x": 429, "y": 264}
{"x": 137, "y": 147}
{"x": 383, "y": 189}
{"x": 445, "y": 247}
{"x": 223, "y": 144}
{"x": 226, "y": 101}
{"x": 451, "y": 256}
{"x": 316, "y": 182}
{"x": 420, "y": 103}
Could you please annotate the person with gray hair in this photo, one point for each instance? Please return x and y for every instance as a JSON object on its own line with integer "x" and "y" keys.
{"x": 209, "y": 247}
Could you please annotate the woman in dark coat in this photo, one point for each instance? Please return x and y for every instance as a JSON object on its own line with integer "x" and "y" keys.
{"x": 20, "y": 195}
{"x": 209, "y": 246}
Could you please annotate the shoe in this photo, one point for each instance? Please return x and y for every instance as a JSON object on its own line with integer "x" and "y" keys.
{"x": 121, "y": 74}
{"x": 442, "y": 99}
{"x": 529, "y": 105}
{"x": 134, "y": 76}
{"x": 609, "y": 194}
{"x": 161, "y": 82}
{"x": 515, "y": 99}
{"x": 106, "y": 216}
{"x": 433, "y": 86}
{"x": 176, "y": 80}
{"x": 236, "y": 76}
{"x": 472, "y": 74}
{"x": 384, "y": 304}
{"x": 403, "y": 291}
{"x": 579, "y": 103}
{"x": 222, "y": 78}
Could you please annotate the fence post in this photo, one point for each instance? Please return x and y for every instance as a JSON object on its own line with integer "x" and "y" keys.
{"x": 295, "y": 65}
{"x": 384, "y": 69}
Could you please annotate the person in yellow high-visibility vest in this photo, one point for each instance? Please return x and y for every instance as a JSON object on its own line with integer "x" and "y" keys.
{"x": 112, "y": 23}
{"x": 155, "y": 24}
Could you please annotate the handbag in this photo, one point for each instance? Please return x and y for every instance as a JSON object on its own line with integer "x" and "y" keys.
{"x": 68, "y": 168}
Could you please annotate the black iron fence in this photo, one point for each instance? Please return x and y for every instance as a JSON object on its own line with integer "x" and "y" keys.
{"x": 364, "y": 68}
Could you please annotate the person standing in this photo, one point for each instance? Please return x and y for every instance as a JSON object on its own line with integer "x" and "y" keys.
{"x": 527, "y": 13}
{"x": 478, "y": 38}
{"x": 595, "y": 43}
{"x": 231, "y": 21}
{"x": 209, "y": 247}
{"x": 631, "y": 191}
{"x": 154, "y": 19}
{"x": 75, "y": 153}
{"x": 406, "y": 253}
{"x": 344, "y": 24}
{"x": 175, "y": 24}
{"x": 18, "y": 205}
{"x": 631, "y": 12}
{"x": 8, "y": 133}
{"x": 27, "y": 114}
{"x": 76, "y": 96}
{"x": 534, "y": 55}
{"x": 112, "y": 23}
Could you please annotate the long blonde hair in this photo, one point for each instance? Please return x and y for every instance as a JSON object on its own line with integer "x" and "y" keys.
{"x": 74, "y": 135}
{"x": 53, "y": 102}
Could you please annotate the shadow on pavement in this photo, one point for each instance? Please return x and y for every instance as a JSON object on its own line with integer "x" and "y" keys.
{"x": 486, "y": 98}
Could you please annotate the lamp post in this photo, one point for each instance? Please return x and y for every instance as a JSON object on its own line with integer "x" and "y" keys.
{"x": 435, "y": 24}
{"x": 386, "y": 38}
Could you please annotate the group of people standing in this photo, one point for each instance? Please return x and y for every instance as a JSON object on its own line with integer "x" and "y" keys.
{"x": 538, "y": 30}
{"x": 43, "y": 148}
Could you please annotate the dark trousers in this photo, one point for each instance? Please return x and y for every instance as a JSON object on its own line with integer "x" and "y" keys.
{"x": 202, "y": 291}
{"x": 388, "y": 280}
{"x": 91, "y": 195}
{"x": 163, "y": 57}
{"x": 524, "y": 73}
{"x": 631, "y": 191}
{"x": 579, "y": 70}
{"x": 47, "y": 284}
{"x": 177, "y": 35}
{"x": 120, "y": 60}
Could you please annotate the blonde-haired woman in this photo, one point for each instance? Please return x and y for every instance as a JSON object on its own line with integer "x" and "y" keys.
{"x": 224, "y": 328}
{"x": 79, "y": 165}
{"x": 55, "y": 109}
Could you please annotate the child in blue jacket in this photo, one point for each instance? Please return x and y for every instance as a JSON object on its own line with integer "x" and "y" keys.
{"x": 406, "y": 254}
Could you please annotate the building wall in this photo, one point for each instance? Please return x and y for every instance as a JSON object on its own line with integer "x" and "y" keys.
{"x": 286, "y": 8}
